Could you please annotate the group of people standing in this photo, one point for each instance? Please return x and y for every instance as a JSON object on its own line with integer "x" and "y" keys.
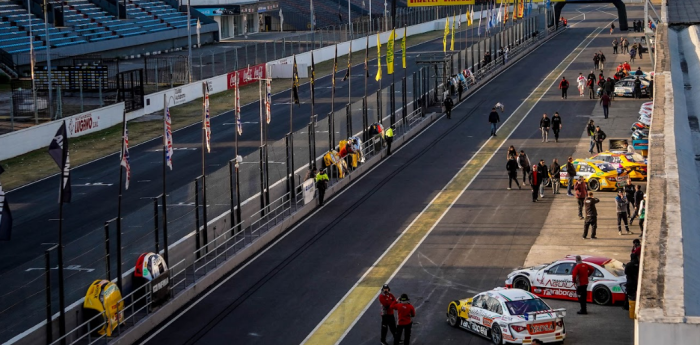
{"x": 536, "y": 175}
{"x": 405, "y": 311}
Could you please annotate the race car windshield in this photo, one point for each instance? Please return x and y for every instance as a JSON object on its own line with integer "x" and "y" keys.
{"x": 526, "y": 306}
{"x": 615, "y": 268}
{"x": 606, "y": 167}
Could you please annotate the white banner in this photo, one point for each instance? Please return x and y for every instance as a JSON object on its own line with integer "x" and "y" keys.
{"x": 309, "y": 190}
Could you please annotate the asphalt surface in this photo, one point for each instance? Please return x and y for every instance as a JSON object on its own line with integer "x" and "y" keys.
{"x": 281, "y": 296}
{"x": 95, "y": 189}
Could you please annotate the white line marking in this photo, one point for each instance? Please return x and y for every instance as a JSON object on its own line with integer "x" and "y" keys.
{"x": 448, "y": 208}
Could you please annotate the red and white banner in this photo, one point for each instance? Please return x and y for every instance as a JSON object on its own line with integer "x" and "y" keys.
{"x": 246, "y": 76}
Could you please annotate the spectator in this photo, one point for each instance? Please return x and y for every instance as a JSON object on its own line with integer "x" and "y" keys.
{"x": 621, "y": 206}
{"x": 542, "y": 174}
{"x": 580, "y": 190}
{"x": 570, "y": 175}
{"x": 524, "y": 163}
{"x": 591, "y": 215}
{"x": 555, "y": 175}
{"x": 599, "y": 137}
{"x": 512, "y": 168}
{"x": 580, "y": 275}
{"x": 605, "y": 102}
{"x": 386, "y": 300}
{"x": 406, "y": 314}
{"x": 556, "y": 126}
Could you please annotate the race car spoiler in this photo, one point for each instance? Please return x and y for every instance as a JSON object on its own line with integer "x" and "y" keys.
{"x": 561, "y": 312}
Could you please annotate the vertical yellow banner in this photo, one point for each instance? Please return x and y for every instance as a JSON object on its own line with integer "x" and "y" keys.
{"x": 447, "y": 31}
{"x": 403, "y": 48}
{"x": 452, "y": 38}
{"x": 390, "y": 52}
{"x": 379, "y": 59}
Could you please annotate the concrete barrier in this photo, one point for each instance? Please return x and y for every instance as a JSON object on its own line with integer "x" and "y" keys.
{"x": 667, "y": 308}
{"x": 33, "y": 138}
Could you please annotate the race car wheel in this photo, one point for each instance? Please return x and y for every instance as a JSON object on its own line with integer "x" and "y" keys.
{"x": 601, "y": 295}
{"x": 452, "y": 318}
{"x": 521, "y": 283}
{"x": 496, "y": 335}
{"x": 594, "y": 185}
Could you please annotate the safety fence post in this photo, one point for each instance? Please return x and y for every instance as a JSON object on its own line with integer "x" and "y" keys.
{"x": 155, "y": 223}
{"x": 47, "y": 282}
{"x": 196, "y": 216}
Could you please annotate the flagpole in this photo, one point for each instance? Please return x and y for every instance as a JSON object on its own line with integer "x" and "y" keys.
{"x": 204, "y": 163}
{"x": 119, "y": 207}
{"x": 165, "y": 204}
{"x": 61, "y": 283}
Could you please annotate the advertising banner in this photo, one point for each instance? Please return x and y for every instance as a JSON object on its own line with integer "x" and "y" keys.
{"x": 422, "y": 3}
{"x": 309, "y": 190}
{"x": 246, "y": 75}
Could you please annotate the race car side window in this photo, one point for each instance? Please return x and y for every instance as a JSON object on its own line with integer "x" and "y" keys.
{"x": 598, "y": 273}
{"x": 562, "y": 269}
{"x": 494, "y": 306}
{"x": 478, "y": 301}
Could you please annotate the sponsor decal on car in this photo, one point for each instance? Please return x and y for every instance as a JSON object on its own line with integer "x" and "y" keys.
{"x": 476, "y": 328}
{"x": 559, "y": 292}
{"x": 539, "y": 328}
{"x": 487, "y": 322}
{"x": 559, "y": 283}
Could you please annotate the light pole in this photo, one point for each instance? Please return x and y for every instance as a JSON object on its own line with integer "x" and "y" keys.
{"x": 48, "y": 56}
{"x": 189, "y": 43}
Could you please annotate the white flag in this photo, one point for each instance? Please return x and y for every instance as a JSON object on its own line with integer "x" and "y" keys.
{"x": 207, "y": 123}
{"x": 239, "y": 124}
{"x": 199, "y": 27}
{"x": 168, "y": 136}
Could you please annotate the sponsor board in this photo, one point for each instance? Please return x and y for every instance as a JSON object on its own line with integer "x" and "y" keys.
{"x": 309, "y": 190}
{"x": 83, "y": 124}
{"x": 246, "y": 76}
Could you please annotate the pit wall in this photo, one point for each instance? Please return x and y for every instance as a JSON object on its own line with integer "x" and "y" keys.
{"x": 668, "y": 298}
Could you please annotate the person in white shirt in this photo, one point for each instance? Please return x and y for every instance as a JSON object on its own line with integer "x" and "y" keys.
{"x": 581, "y": 80}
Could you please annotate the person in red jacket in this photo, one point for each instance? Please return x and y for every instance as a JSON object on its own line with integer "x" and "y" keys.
{"x": 406, "y": 314}
{"x": 387, "y": 299}
{"x": 564, "y": 86}
{"x": 580, "y": 275}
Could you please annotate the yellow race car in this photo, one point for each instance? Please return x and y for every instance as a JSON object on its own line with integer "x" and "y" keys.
{"x": 599, "y": 175}
{"x": 631, "y": 164}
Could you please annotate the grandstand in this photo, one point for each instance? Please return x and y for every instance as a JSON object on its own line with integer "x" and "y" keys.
{"x": 86, "y": 23}
{"x": 327, "y": 11}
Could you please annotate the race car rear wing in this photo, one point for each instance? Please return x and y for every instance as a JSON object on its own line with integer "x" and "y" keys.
{"x": 561, "y": 312}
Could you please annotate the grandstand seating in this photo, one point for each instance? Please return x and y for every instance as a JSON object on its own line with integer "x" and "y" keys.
{"x": 84, "y": 22}
{"x": 298, "y": 13}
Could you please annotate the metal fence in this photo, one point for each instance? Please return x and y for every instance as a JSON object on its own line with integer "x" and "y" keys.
{"x": 28, "y": 301}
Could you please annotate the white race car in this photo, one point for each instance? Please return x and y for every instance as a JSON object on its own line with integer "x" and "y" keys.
{"x": 553, "y": 280}
{"x": 508, "y": 316}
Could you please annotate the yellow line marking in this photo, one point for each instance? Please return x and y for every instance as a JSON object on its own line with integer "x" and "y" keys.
{"x": 333, "y": 328}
